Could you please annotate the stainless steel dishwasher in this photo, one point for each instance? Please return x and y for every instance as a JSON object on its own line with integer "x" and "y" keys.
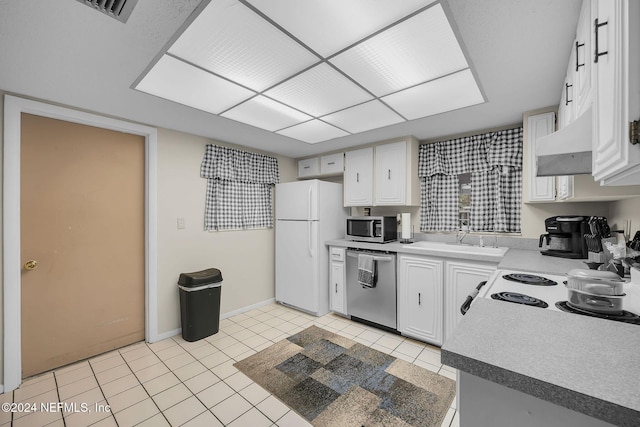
{"x": 377, "y": 304}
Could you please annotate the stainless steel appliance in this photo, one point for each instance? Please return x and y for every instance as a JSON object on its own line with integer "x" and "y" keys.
{"x": 564, "y": 237}
{"x": 375, "y": 304}
{"x": 550, "y": 292}
{"x": 376, "y": 229}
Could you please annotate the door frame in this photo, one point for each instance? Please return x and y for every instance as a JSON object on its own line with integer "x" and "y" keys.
{"x": 13, "y": 108}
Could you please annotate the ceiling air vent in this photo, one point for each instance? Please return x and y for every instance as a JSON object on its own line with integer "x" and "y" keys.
{"x": 118, "y": 9}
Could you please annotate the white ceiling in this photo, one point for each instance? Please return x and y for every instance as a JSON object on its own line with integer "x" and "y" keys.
{"x": 63, "y": 52}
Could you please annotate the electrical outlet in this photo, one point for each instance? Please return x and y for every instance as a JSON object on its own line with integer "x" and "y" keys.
{"x": 180, "y": 223}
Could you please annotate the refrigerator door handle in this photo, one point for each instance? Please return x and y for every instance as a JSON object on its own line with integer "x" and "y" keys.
{"x": 309, "y": 237}
{"x": 309, "y": 203}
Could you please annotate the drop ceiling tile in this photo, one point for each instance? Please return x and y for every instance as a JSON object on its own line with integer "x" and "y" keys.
{"x": 177, "y": 81}
{"x": 313, "y": 131}
{"x": 233, "y": 41}
{"x": 319, "y": 91}
{"x": 449, "y": 93}
{"x": 370, "y": 115}
{"x": 266, "y": 114}
{"x": 327, "y": 26}
{"x": 419, "y": 49}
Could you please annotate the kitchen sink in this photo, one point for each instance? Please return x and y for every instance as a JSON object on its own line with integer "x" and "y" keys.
{"x": 458, "y": 248}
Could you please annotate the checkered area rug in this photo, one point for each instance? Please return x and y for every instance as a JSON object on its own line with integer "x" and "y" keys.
{"x": 334, "y": 381}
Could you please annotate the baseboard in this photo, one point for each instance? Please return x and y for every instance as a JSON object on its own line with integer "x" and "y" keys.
{"x": 166, "y": 335}
{"x": 1, "y": 388}
{"x": 247, "y": 308}
{"x": 178, "y": 331}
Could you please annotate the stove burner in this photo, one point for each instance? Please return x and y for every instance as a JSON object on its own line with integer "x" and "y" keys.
{"x": 529, "y": 279}
{"x": 519, "y": 299}
{"x": 625, "y": 316}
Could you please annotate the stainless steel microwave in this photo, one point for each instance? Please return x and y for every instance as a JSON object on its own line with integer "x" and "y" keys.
{"x": 376, "y": 229}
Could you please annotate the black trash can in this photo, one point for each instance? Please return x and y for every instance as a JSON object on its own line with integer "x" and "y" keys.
{"x": 200, "y": 303}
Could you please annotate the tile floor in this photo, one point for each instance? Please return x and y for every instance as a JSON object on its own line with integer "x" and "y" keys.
{"x": 178, "y": 383}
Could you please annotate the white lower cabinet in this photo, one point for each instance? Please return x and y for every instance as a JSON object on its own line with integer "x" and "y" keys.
{"x": 337, "y": 295}
{"x": 461, "y": 280}
{"x": 420, "y": 299}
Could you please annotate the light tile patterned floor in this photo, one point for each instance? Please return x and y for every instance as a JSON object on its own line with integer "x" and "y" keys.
{"x": 178, "y": 383}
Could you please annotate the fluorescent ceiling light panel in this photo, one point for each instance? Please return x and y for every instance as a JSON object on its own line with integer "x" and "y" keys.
{"x": 419, "y": 49}
{"x": 327, "y": 26}
{"x": 265, "y": 113}
{"x": 319, "y": 91}
{"x": 438, "y": 96}
{"x": 172, "y": 79}
{"x": 370, "y": 115}
{"x": 313, "y": 131}
{"x": 231, "y": 40}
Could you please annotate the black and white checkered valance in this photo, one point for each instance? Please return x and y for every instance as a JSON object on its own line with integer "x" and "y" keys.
{"x": 239, "y": 188}
{"x": 494, "y": 161}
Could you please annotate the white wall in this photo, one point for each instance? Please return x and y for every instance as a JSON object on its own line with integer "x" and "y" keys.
{"x": 534, "y": 214}
{"x": 245, "y": 258}
{"x": 623, "y": 210}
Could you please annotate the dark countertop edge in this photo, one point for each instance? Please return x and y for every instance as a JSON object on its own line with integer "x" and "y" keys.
{"x": 558, "y": 395}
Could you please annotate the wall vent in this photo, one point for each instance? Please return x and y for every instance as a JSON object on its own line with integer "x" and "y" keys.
{"x": 117, "y": 9}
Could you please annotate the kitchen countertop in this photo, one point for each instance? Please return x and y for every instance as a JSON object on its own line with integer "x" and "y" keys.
{"x": 585, "y": 364}
{"x": 401, "y": 248}
{"x": 514, "y": 259}
{"x": 535, "y": 262}
{"x": 588, "y": 365}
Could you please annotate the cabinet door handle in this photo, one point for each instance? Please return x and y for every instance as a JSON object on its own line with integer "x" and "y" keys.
{"x": 357, "y": 176}
{"x": 419, "y": 299}
{"x": 336, "y": 288}
{"x": 389, "y": 174}
{"x": 566, "y": 93}
{"x": 333, "y": 163}
{"x": 578, "y": 64}
{"x": 597, "y": 26}
{"x": 306, "y": 167}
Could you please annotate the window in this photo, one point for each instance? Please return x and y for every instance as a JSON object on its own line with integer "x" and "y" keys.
{"x": 239, "y": 188}
{"x": 477, "y": 179}
{"x": 464, "y": 201}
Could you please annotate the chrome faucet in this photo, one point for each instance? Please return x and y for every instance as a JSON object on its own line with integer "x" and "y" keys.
{"x": 460, "y": 235}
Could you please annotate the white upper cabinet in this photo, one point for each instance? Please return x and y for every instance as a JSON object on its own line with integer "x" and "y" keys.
{"x": 392, "y": 179}
{"x": 391, "y": 174}
{"x": 616, "y": 97}
{"x": 308, "y": 167}
{"x": 327, "y": 165}
{"x": 358, "y": 177}
{"x": 566, "y": 109}
{"x": 580, "y": 61}
{"x": 332, "y": 164}
{"x": 540, "y": 189}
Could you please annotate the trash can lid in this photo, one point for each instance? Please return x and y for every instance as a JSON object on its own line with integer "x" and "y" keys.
{"x": 199, "y": 278}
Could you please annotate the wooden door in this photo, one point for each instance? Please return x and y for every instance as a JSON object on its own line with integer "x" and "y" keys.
{"x": 82, "y": 222}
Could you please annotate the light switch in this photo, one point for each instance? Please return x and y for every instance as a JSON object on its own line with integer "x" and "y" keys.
{"x": 180, "y": 223}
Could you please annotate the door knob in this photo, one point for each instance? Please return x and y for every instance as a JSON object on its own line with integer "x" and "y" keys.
{"x": 32, "y": 264}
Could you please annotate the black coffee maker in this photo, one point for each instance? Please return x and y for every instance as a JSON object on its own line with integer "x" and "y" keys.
{"x": 565, "y": 237}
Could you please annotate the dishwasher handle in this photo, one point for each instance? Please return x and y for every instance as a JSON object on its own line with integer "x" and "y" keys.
{"x": 375, "y": 258}
{"x": 467, "y": 302}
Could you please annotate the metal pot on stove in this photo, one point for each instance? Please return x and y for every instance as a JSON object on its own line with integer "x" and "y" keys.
{"x": 597, "y": 291}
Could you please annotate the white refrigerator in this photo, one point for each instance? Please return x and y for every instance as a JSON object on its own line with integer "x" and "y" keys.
{"x": 307, "y": 214}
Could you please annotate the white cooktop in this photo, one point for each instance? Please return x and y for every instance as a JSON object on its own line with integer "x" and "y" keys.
{"x": 549, "y": 294}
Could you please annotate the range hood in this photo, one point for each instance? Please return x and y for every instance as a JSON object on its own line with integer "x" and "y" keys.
{"x": 567, "y": 151}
